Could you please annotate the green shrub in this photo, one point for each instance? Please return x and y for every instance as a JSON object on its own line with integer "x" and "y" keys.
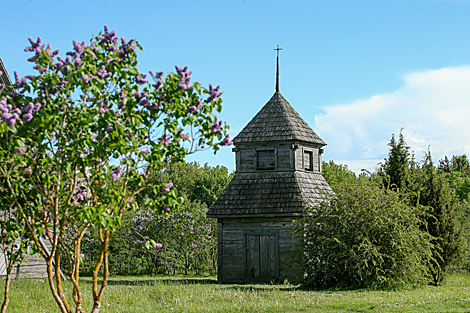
{"x": 365, "y": 237}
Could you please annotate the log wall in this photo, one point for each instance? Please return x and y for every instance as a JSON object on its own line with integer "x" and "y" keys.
{"x": 278, "y": 157}
{"x": 255, "y": 250}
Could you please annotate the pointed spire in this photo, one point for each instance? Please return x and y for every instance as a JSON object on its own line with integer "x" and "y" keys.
{"x": 277, "y": 69}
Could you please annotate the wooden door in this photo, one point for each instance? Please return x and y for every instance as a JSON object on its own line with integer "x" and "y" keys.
{"x": 261, "y": 255}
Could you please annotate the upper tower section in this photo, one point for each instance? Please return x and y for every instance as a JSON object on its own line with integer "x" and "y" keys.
{"x": 278, "y": 139}
{"x": 277, "y": 121}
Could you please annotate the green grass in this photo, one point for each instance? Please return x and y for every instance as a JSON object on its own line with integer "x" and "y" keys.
{"x": 182, "y": 294}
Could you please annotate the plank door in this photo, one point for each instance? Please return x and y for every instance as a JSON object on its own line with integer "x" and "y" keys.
{"x": 261, "y": 255}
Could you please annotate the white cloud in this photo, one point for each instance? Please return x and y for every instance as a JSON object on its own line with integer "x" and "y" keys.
{"x": 433, "y": 107}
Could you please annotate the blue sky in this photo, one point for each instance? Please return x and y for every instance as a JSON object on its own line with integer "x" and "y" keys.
{"x": 356, "y": 71}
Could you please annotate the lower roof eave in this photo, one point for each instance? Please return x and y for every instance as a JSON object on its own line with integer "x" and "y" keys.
{"x": 254, "y": 215}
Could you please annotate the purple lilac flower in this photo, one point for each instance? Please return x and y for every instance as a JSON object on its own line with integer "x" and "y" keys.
{"x": 107, "y": 36}
{"x": 102, "y": 73}
{"x": 36, "y": 108}
{"x": 185, "y": 79}
{"x": 216, "y": 126}
{"x": 85, "y": 78}
{"x": 226, "y": 141}
{"x": 140, "y": 79}
{"x": 115, "y": 173}
{"x": 19, "y": 81}
{"x": 196, "y": 107}
{"x": 27, "y": 117}
{"x": 164, "y": 139}
{"x": 79, "y": 47}
{"x": 168, "y": 186}
{"x": 21, "y": 150}
{"x": 165, "y": 208}
{"x": 34, "y": 44}
{"x": 109, "y": 128}
{"x": 185, "y": 136}
{"x": 130, "y": 200}
{"x": 158, "y": 84}
{"x": 214, "y": 93}
{"x": 125, "y": 48}
{"x": 145, "y": 151}
{"x": 28, "y": 108}
{"x": 140, "y": 95}
{"x": 158, "y": 245}
{"x": 10, "y": 119}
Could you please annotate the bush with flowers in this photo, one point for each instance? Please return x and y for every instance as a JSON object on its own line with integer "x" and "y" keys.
{"x": 76, "y": 135}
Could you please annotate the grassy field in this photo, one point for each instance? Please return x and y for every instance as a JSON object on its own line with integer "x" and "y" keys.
{"x": 180, "y": 294}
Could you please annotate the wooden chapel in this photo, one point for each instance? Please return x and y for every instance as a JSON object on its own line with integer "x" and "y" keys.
{"x": 278, "y": 168}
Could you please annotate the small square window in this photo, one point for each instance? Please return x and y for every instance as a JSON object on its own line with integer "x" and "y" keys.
{"x": 308, "y": 160}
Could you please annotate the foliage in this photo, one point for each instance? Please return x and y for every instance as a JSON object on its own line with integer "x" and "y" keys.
{"x": 363, "y": 236}
{"x": 185, "y": 239}
{"x": 75, "y": 137}
{"x": 337, "y": 174}
{"x": 210, "y": 184}
{"x": 445, "y": 224}
{"x": 395, "y": 169}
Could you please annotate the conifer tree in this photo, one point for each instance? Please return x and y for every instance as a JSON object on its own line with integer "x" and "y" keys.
{"x": 395, "y": 169}
{"x": 460, "y": 164}
{"x": 445, "y": 225}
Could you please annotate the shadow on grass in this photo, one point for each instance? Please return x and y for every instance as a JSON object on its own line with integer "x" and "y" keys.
{"x": 165, "y": 281}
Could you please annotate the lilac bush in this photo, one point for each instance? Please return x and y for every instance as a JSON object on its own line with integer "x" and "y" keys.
{"x": 79, "y": 133}
{"x": 185, "y": 241}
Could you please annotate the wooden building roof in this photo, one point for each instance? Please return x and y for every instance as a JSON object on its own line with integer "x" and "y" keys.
{"x": 269, "y": 194}
{"x": 277, "y": 121}
{"x": 4, "y": 78}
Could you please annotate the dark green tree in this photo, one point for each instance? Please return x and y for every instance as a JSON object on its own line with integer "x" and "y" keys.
{"x": 445, "y": 165}
{"x": 460, "y": 164}
{"x": 210, "y": 184}
{"x": 445, "y": 223}
{"x": 395, "y": 171}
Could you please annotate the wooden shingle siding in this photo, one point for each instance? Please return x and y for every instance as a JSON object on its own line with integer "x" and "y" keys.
{"x": 270, "y": 192}
{"x": 4, "y": 78}
{"x": 276, "y": 121}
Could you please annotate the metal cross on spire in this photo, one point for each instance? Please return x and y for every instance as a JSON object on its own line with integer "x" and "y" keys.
{"x": 277, "y": 69}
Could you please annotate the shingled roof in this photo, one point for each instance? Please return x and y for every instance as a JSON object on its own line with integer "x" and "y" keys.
{"x": 277, "y": 121}
{"x": 4, "y": 78}
{"x": 276, "y": 193}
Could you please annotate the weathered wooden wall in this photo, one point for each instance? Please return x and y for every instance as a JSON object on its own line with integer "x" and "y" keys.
{"x": 264, "y": 241}
{"x": 33, "y": 266}
{"x": 278, "y": 157}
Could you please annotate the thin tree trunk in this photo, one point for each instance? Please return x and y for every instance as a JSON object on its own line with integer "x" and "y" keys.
{"x": 6, "y": 300}
{"x": 50, "y": 278}
{"x": 103, "y": 259}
